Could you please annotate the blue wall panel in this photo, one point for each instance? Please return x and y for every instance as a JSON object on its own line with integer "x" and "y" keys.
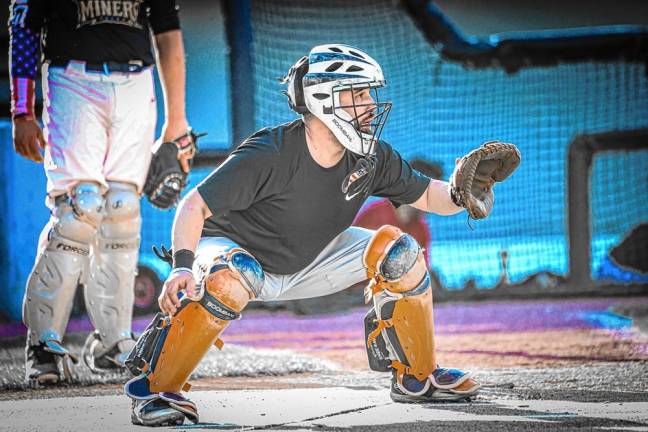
{"x": 22, "y": 206}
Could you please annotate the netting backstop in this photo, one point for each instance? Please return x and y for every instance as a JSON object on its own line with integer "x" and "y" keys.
{"x": 443, "y": 109}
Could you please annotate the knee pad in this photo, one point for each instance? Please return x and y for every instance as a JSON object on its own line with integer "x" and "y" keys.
{"x": 400, "y": 326}
{"x": 171, "y": 347}
{"x": 63, "y": 262}
{"x": 78, "y": 217}
{"x": 109, "y": 292}
{"x": 243, "y": 267}
{"x": 122, "y": 218}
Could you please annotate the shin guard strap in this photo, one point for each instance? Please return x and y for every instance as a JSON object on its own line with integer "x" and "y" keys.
{"x": 382, "y": 325}
{"x": 217, "y": 308}
{"x": 422, "y": 287}
{"x": 400, "y": 368}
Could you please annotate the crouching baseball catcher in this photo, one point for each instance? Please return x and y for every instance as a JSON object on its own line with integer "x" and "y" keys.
{"x": 273, "y": 222}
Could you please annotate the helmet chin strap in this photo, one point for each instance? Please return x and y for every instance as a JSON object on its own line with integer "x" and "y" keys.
{"x": 364, "y": 170}
{"x": 361, "y": 176}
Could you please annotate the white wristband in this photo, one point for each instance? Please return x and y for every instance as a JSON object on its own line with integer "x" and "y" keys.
{"x": 181, "y": 270}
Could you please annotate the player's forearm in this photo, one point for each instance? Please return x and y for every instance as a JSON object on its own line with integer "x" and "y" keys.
{"x": 23, "y": 49}
{"x": 436, "y": 199}
{"x": 171, "y": 67}
{"x": 189, "y": 221}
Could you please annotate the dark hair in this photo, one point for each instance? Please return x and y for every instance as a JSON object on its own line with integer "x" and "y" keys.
{"x": 308, "y": 116}
{"x": 431, "y": 169}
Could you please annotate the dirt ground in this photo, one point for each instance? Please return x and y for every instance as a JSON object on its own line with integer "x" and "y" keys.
{"x": 527, "y": 345}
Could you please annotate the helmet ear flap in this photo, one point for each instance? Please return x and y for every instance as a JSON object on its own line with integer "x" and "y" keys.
{"x": 297, "y": 102}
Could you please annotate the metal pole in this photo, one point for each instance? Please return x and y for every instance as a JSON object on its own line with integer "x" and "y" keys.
{"x": 578, "y": 205}
{"x": 238, "y": 26}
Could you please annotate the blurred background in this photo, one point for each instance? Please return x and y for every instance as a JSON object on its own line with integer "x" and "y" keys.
{"x": 565, "y": 81}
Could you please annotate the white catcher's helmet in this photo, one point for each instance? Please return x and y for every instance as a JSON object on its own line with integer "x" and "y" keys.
{"x": 314, "y": 86}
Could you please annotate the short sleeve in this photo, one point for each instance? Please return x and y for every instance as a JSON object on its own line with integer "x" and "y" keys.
{"x": 163, "y": 16}
{"x": 395, "y": 179}
{"x": 245, "y": 177}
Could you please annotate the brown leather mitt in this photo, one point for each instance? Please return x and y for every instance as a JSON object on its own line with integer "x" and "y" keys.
{"x": 471, "y": 183}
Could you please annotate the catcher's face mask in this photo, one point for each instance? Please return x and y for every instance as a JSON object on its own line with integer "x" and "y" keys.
{"x": 359, "y": 107}
{"x": 315, "y": 84}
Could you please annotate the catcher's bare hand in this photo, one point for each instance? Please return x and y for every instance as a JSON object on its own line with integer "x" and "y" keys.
{"x": 176, "y": 282}
{"x": 28, "y": 138}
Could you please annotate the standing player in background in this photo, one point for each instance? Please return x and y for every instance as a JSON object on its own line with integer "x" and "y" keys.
{"x": 99, "y": 120}
{"x": 273, "y": 223}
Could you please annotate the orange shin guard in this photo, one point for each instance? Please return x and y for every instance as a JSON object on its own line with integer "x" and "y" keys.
{"x": 192, "y": 331}
{"x": 400, "y": 327}
{"x": 171, "y": 348}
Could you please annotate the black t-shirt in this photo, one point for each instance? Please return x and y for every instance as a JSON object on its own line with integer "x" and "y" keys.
{"x": 97, "y": 31}
{"x": 274, "y": 200}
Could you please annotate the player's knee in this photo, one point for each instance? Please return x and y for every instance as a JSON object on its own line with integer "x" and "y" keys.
{"x": 88, "y": 203}
{"x": 235, "y": 277}
{"x": 78, "y": 217}
{"x": 395, "y": 260}
{"x": 122, "y": 214}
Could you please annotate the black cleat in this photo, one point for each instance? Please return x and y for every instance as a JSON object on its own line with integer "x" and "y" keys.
{"x": 41, "y": 368}
{"x": 100, "y": 360}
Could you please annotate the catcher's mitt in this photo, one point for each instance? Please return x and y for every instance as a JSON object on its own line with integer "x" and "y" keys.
{"x": 166, "y": 177}
{"x": 471, "y": 183}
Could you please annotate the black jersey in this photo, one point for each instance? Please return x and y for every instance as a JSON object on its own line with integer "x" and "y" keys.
{"x": 98, "y": 31}
{"x": 274, "y": 200}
